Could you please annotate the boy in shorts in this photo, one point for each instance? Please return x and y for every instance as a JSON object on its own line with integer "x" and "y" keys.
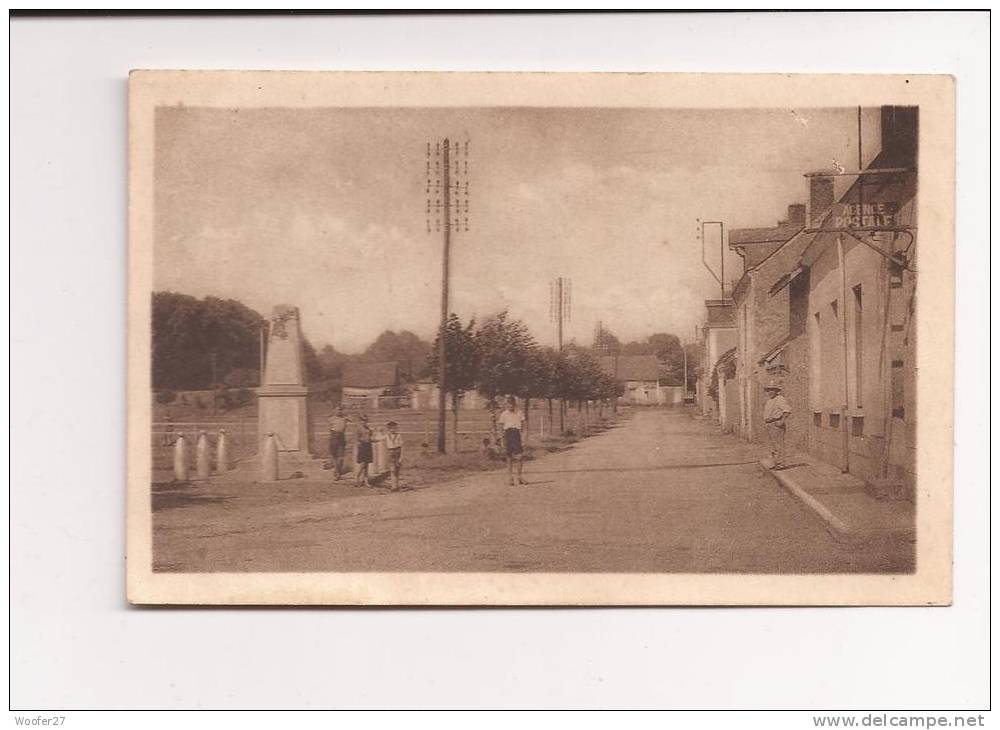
{"x": 393, "y": 441}
{"x": 512, "y": 423}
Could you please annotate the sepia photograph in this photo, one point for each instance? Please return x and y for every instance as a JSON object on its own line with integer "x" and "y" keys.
{"x": 539, "y": 338}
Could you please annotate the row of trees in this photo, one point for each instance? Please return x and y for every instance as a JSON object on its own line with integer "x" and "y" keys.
{"x": 200, "y": 344}
{"x": 500, "y": 358}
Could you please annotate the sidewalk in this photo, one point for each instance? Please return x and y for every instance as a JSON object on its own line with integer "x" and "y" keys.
{"x": 841, "y": 501}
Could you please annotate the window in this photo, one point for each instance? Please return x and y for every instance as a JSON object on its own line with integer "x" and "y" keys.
{"x": 818, "y": 418}
{"x": 859, "y": 363}
{"x": 858, "y": 426}
{"x": 834, "y": 420}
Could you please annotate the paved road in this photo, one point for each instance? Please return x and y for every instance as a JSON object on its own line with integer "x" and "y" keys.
{"x": 661, "y": 492}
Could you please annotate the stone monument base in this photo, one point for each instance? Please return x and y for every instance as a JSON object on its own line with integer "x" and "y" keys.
{"x": 283, "y": 412}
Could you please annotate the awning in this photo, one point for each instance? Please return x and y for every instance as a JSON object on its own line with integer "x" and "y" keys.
{"x": 785, "y": 280}
{"x": 773, "y": 353}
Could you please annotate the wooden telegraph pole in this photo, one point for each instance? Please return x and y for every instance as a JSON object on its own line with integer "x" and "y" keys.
{"x": 448, "y": 208}
{"x": 442, "y": 339}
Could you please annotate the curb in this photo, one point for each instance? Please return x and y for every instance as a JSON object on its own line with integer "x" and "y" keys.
{"x": 833, "y": 523}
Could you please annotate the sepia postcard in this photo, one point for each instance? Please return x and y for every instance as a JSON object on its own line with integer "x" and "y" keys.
{"x": 540, "y": 339}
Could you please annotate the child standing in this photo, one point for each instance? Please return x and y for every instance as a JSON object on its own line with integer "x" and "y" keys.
{"x": 338, "y": 440}
{"x": 512, "y": 423}
{"x": 362, "y": 452}
{"x": 393, "y": 441}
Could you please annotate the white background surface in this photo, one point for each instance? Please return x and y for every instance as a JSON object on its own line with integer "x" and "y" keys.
{"x": 75, "y": 643}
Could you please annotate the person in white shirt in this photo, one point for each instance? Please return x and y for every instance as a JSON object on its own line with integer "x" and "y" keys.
{"x": 512, "y": 423}
{"x": 393, "y": 441}
{"x": 776, "y": 411}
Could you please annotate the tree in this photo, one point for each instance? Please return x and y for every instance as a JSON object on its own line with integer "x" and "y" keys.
{"x": 196, "y": 343}
{"x": 332, "y": 363}
{"x": 405, "y": 348}
{"x": 695, "y": 354}
{"x": 504, "y": 347}
{"x": 584, "y": 381}
{"x": 462, "y": 363}
{"x": 551, "y": 371}
{"x": 310, "y": 362}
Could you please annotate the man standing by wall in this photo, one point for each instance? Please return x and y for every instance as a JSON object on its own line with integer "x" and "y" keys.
{"x": 776, "y": 411}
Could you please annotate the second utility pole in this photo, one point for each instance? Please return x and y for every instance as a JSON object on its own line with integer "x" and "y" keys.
{"x": 443, "y": 338}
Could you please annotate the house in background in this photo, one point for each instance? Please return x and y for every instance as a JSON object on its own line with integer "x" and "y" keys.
{"x": 365, "y": 383}
{"x": 641, "y": 375}
{"x": 424, "y": 396}
{"x": 718, "y": 336}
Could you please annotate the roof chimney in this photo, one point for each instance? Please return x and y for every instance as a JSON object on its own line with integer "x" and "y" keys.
{"x": 820, "y": 198}
{"x": 796, "y": 215}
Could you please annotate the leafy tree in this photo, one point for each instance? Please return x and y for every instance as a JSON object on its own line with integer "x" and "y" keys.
{"x": 695, "y": 353}
{"x": 332, "y": 362}
{"x": 505, "y": 351}
{"x": 190, "y": 335}
{"x": 310, "y": 362}
{"x": 551, "y": 370}
{"x": 404, "y": 348}
{"x": 462, "y": 363}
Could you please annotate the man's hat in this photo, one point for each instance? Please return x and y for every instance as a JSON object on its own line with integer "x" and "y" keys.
{"x": 773, "y": 385}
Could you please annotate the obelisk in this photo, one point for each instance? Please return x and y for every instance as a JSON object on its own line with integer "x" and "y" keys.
{"x": 281, "y": 400}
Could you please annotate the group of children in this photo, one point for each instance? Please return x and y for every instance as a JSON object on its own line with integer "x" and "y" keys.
{"x": 511, "y": 421}
{"x": 363, "y": 449}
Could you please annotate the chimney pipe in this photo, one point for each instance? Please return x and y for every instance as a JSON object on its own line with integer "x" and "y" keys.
{"x": 820, "y": 198}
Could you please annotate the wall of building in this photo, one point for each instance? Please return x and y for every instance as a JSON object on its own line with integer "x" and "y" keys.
{"x": 880, "y": 365}
{"x": 764, "y": 320}
{"x": 729, "y": 405}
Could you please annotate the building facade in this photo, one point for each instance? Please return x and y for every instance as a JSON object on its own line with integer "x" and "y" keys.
{"x": 828, "y": 312}
{"x": 768, "y": 326}
{"x": 861, "y": 305}
{"x": 718, "y": 336}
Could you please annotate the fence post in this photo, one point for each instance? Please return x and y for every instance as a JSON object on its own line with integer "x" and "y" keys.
{"x": 222, "y": 452}
{"x": 180, "y": 459}
{"x": 269, "y": 460}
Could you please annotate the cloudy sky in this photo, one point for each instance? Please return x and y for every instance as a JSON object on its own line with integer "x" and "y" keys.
{"x": 325, "y": 209}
